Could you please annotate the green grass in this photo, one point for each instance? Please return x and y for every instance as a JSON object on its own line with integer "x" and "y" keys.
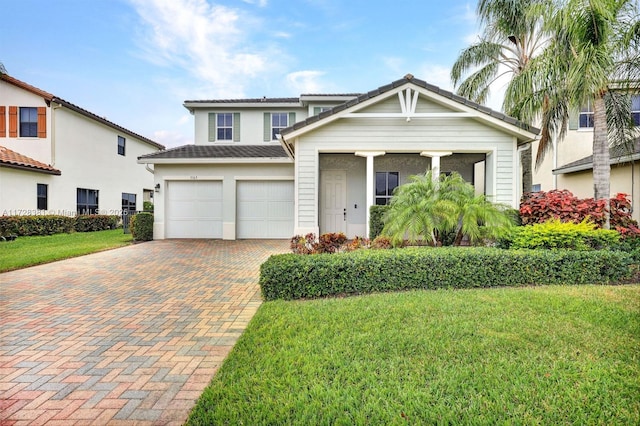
{"x": 29, "y": 251}
{"x": 539, "y": 355}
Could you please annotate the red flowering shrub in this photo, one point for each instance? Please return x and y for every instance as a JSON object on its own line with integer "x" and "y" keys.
{"x": 538, "y": 207}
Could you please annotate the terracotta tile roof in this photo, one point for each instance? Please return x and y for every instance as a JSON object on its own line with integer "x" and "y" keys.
{"x": 220, "y": 151}
{"x": 9, "y": 158}
{"x": 52, "y": 98}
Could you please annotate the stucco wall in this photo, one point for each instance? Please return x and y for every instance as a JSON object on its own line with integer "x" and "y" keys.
{"x": 229, "y": 174}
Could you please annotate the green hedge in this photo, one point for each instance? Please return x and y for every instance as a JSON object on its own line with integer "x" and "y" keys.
{"x": 290, "y": 276}
{"x": 55, "y": 224}
{"x": 96, "y": 222}
{"x": 376, "y": 220}
{"x": 141, "y": 225}
{"x": 36, "y": 225}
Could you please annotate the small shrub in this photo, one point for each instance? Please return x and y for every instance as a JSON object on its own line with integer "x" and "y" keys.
{"x": 382, "y": 243}
{"x": 141, "y": 226}
{"x": 376, "y": 220}
{"x": 357, "y": 243}
{"x": 95, "y": 222}
{"x": 365, "y": 271}
{"x": 326, "y": 243}
{"x": 147, "y": 206}
{"x": 554, "y": 234}
{"x": 36, "y": 225}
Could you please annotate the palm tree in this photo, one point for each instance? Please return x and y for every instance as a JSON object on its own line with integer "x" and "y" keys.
{"x": 424, "y": 209}
{"x": 510, "y": 39}
{"x": 593, "y": 56}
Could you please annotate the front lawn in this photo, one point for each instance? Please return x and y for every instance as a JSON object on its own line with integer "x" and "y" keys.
{"x": 29, "y": 251}
{"x": 536, "y": 355}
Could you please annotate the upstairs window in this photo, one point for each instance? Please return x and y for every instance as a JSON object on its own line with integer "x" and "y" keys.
{"x": 121, "y": 145}
{"x": 28, "y": 122}
{"x": 224, "y": 126}
{"x": 279, "y": 121}
{"x": 586, "y": 116}
{"x": 635, "y": 109}
{"x": 386, "y": 182}
{"x": 42, "y": 196}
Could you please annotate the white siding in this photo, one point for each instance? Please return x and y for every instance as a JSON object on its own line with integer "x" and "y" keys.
{"x": 400, "y": 136}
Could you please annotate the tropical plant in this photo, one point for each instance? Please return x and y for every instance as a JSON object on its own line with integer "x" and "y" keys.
{"x": 511, "y": 37}
{"x": 593, "y": 57}
{"x": 426, "y": 208}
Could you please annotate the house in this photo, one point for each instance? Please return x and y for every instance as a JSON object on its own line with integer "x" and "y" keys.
{"x": 58, "y": 158}
{"x": 275, "y": 167}
{"x": 570, "y": 164}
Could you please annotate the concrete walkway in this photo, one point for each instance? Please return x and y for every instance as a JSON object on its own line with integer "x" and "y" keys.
{"x": 127, "y": 336}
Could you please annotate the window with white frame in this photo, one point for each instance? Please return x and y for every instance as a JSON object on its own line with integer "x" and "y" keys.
{"x": 635, "y": 109}
{"x": 279, "y": 121}
{"x": 386, "y": 182}
{"x": 224, "y": 126}
{"x": 586, "y": 116}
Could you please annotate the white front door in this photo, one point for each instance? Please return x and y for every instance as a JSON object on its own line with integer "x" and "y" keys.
{"x": 333, "y": 201}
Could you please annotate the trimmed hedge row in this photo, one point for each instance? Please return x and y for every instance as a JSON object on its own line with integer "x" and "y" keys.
{"x": 291, "y": 276}
{"x": 55, "y": 224}
{"x": 376, "y": 220}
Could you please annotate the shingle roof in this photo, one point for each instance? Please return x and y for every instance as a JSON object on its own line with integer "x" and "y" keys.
{"x": 617, "y": 155}
{"x": 52, "y": 98}
{"x": 15, "y": 160}
{"x": 220, "y": 151}
{"x": 410, "y": 79}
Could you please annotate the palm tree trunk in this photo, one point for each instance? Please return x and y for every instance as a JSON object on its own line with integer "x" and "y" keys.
{"x": 601, "y": 166}
{"x": 527, "y": 175}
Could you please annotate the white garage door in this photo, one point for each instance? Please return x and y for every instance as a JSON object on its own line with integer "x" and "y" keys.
{"x": 194, "y": 209}
{"x": 265, "y": 209}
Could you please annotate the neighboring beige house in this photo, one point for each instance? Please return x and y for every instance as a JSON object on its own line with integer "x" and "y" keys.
{"x": 58, "y": 158}
{"x": 570, "y": 165}
{"x": 275, "y": 167}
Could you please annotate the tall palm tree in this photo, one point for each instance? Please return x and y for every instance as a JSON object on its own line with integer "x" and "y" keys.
{"x": 593, "y": 56}
{"x": 511, "y": 37}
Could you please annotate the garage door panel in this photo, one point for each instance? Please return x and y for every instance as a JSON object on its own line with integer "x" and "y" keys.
{"x": 194, "y": 209}
{"x": 265, "y": 209}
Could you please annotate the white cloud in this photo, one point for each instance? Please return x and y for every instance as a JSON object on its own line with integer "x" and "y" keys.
{"x": 205, "y": 39}
{"x": 261, "y": 3}
{"x": 171, "y": 138}
{"x": 435, "y": 74}
{"x": 305, "y": 81}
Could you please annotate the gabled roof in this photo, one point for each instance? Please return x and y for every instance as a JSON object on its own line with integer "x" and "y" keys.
{"x": 617, "y": 155}
{"x": 420, "y": 83}
{"x": 15, "y": 160}
{"x": 48, "y": 97}
{"x": 212, "y": 152}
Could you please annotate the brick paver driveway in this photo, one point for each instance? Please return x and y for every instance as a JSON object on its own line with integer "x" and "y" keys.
{"x": 127, "y": 336}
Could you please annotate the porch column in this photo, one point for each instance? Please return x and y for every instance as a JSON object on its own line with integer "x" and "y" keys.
{"x": 435, "y": 161}
{"x": 369, "y": 155}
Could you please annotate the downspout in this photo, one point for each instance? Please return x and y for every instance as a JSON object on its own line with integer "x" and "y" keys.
{"x": 555, "y": 160}
{"x": 149, "y": 169}
{"x": 53, "y": 132}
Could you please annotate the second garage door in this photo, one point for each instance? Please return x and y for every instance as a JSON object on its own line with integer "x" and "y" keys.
{"x": 194, "y": 209}
{"x": 264, "y": 209}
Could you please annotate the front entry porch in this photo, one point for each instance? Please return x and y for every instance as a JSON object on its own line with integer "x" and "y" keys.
{"x": 350, "y": 183}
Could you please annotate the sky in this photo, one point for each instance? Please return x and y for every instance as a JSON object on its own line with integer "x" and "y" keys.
{"x": 135, "y": 62}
